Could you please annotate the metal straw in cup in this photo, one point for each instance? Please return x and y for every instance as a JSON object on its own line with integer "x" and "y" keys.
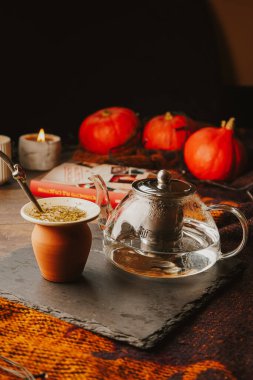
{"x": 19, "y": 175}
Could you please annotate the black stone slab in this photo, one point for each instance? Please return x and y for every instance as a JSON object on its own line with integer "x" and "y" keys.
{"x": 110, "y": 302}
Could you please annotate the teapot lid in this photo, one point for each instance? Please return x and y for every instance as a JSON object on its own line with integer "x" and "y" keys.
{"x": 164, "y": 186}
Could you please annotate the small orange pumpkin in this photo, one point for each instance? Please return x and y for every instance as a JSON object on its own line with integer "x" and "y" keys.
{"x": 167, "y": 132}
{"x": 214, "y": 153}
{"x": 107, "y": 128}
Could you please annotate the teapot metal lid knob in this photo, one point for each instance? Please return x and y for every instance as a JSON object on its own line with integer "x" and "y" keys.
{"x": 163, "y": 186}
{"x": 163, "y": 179}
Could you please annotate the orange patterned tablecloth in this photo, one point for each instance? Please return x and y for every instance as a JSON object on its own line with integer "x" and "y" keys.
{"x": 45, "y": 344}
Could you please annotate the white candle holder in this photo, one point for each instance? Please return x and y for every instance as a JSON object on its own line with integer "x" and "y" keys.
{"x": 39, "y": 155}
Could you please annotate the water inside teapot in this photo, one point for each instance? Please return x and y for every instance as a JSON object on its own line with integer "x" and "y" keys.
{"x": 197, "y": 250}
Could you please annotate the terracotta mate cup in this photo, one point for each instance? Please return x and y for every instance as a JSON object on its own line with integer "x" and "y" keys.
{"x": 61, "y": 249}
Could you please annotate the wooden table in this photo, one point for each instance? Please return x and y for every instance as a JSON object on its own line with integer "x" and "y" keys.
{"x": 15, "y": 232}
{"x": 215, "y": 344}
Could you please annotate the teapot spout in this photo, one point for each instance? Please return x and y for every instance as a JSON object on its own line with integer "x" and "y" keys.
{"x": 102, "y": 200}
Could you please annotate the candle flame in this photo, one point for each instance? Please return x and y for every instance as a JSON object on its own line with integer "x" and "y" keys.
{"x": 41, "y": 136}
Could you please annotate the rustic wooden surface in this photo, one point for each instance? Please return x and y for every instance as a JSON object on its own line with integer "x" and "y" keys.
{"x": 15, "y": 232}
{"x": 148, "y": 312}
{"x": 214, "y": 344}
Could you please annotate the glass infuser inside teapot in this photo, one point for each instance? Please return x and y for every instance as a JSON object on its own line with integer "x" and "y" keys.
{"x": 162, "y": 229}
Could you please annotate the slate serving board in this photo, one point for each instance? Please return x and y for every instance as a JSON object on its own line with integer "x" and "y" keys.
{"x": 109, "y": 301}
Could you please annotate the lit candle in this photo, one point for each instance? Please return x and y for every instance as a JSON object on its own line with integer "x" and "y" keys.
{"x": 39, "y": 151}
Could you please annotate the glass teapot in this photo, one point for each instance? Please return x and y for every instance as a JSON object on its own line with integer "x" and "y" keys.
{"x": 162, "y": 229}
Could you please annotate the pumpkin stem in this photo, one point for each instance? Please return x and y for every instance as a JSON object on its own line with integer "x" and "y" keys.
{"x": 106, "y": 112}
{"x": 230, "y": 124}
{"x": 168, "y": 116}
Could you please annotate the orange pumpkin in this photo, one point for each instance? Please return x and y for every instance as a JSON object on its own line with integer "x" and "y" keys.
{"x": 107, "y": 129}
{"x": 167, "y": 132}
{"x": 214, "y": 153}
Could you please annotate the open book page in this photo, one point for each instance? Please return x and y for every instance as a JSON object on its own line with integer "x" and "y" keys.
{"x": 116, "y": 177}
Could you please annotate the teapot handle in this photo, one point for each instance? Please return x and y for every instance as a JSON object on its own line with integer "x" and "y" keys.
{"x": 244, "y": 224}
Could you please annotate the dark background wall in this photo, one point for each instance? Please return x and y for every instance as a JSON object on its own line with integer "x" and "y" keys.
{"x": 234, "y": 30}
{"x": 63, "y": 61}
